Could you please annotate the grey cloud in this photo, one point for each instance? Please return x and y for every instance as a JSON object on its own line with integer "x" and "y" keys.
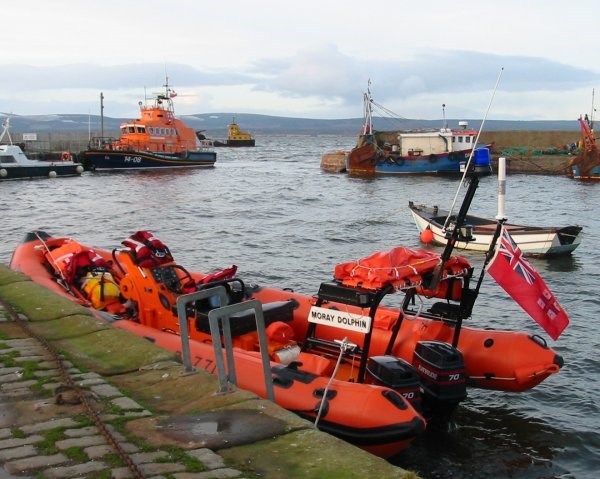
{"x": 321, "y": 72}
{"x": 331, "y": 73}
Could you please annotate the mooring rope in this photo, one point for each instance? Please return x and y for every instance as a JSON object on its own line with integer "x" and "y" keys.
{"x": 344, "y": 345}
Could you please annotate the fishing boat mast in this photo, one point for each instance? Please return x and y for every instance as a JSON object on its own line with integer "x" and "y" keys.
{"x": 592, "y": 112}
{"x": 368, "y": 111}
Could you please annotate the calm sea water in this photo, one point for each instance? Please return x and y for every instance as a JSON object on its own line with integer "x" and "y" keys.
{"x": 286, "y": 223}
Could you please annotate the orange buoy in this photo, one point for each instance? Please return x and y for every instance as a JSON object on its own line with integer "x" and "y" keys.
{"x": 427, "y": 235}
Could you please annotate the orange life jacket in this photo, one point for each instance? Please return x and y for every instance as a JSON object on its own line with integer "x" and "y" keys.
{"x": 71, "y": 261}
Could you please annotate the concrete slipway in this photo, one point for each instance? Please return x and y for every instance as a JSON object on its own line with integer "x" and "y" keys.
{"x": 161, "y": 423}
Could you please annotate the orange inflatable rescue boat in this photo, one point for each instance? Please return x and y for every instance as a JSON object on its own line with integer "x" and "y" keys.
{"x": 373, "y": 416}
{"x": 366, "y": 372}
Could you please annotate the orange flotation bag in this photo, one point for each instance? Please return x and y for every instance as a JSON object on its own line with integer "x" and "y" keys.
{"x": 72, "y": 261}
{"x": 400, "y": 267}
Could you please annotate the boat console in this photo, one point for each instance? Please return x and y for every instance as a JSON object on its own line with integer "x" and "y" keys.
{"x": 434, "y": 380}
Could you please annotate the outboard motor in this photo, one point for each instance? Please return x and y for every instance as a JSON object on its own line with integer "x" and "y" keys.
{"x": 397, "y": 374}
{"x": 441, "y": 371}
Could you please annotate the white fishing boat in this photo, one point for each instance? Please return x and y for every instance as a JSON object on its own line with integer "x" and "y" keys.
{"x": 435, "y": 225}
{"x": 14, "y": 164}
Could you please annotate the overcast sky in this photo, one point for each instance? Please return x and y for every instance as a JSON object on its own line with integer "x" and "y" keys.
{"x": 308, "y": 59}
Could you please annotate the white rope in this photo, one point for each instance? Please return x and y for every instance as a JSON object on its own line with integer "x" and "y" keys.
{"x": 343, "y": 347}
{"x": 417, "y": 315}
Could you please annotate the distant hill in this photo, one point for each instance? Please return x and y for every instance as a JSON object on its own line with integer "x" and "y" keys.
{"x": 215, "y": 124}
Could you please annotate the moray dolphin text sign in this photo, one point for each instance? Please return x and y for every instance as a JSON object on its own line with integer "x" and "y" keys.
{"x": 340, "y": 319}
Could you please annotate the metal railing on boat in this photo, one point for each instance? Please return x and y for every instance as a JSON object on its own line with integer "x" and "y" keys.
{"x": 222, "y": 314}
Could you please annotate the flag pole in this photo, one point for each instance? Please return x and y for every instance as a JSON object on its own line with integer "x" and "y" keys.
{"x": 501, "y": 217}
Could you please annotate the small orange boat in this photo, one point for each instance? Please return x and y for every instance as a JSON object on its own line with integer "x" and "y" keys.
{"x": 157, "y": 139}
{"x": 370, "y": 374}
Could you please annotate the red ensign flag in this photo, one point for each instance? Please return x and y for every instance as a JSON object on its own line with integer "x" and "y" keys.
{"x": 524, "y": 284}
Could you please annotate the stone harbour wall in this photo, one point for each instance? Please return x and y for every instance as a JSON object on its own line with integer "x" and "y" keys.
{"x": 114, "y": 405}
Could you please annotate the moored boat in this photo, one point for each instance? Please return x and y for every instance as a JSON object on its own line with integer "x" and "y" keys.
{"x": 480, "y": 234}
{"x": 158, "y": 139}
{"x": 235, "y": 137}
{"x": 586, "y": 165}
{"x": 426, "y": 151}
{"x": 534, "y": 241}
{"x": 15, "y": 165}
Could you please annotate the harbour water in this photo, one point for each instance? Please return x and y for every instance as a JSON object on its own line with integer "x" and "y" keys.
{"x": 284, "y": 222}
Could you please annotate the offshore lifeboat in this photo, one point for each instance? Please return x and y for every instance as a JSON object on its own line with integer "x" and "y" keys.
{"x": 139, "y": 292}
{"x": 157, "y": 139}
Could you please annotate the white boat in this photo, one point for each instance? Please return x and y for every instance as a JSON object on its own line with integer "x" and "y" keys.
{"x": 14, "y": 164}
{"x": 436, "y": 225}
{"x": 535, "y": 241}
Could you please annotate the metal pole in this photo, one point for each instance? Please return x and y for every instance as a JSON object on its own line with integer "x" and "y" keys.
{"x": 102, "y": 116}
{"x": 501, "y": 188}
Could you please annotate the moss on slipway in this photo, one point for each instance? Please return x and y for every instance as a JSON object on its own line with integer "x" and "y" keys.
{"x": 261, "y": 439}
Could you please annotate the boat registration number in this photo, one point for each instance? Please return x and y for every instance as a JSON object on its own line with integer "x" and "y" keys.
{"x": 133, "y": 159}
{"x": 340, "y": 319}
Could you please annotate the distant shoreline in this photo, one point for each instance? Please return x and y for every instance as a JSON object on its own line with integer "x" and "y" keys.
{"x": 215, "y": 124}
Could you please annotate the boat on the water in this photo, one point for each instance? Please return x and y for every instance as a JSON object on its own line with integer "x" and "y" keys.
{"x": 140, "y": 295}
{"x": 235, "y": 137}
{"x": 436, "y": 226}
{"x": 15, "y": 165}
{"x": 425, "y": 151}
{"x": 157, "y": 139}
{"x": 534, "y": 241}
{"x": 586, "y": 165}
{"x": 366, "y": 370}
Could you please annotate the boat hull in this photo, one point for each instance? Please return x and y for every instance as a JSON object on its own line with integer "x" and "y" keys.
{"x": 365, "y": 160}
{"x": 234, "y": 143}
{"x": 49, "y": 170}
{"x": 134, "y": 160}
{"x": 540, "y": 242}
{"x": 577, "y": 173}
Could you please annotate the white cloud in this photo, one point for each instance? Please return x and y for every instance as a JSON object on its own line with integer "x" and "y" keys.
{"x": 311, "y": 59}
